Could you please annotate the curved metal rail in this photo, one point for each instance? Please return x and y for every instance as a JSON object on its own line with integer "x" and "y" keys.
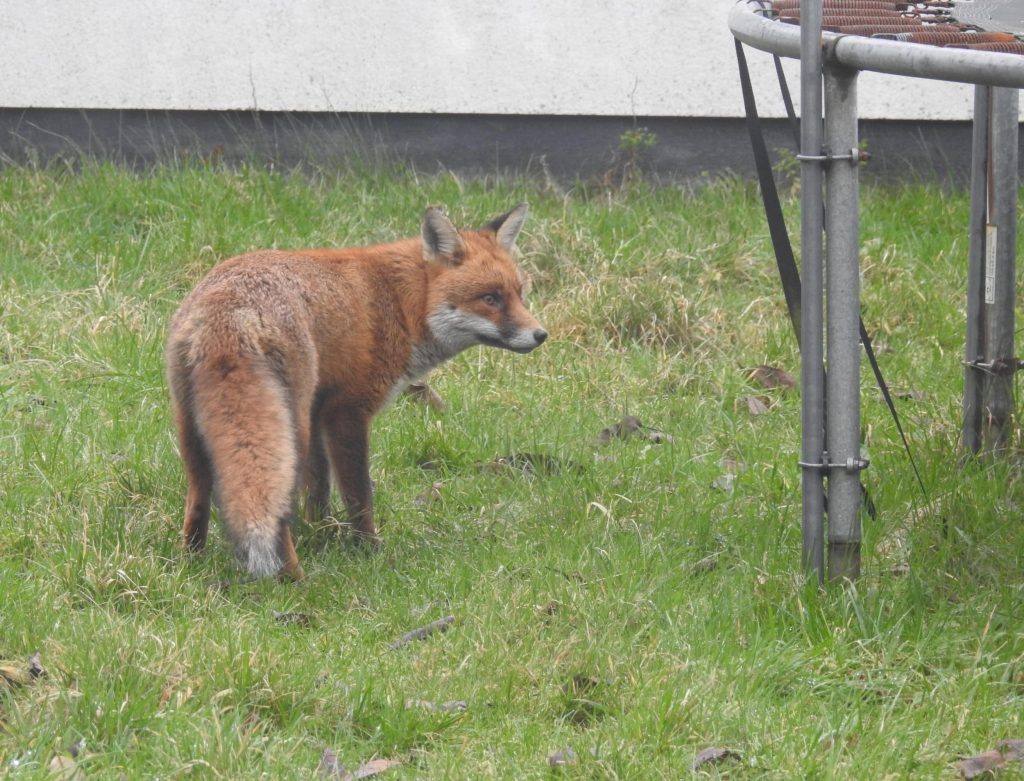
{"x": 898, "y": 58}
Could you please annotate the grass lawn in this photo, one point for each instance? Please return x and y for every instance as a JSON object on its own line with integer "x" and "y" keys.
{"x": 628, "y": 603}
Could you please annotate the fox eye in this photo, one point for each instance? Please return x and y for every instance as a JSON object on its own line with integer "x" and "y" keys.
{"x": 491, "y": 299}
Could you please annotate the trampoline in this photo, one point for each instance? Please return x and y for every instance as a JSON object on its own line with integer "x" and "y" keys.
{"x": 968, "y": 41}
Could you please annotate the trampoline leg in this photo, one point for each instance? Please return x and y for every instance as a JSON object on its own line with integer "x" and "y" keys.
{"x": 1000, "y": 262}
{"x": 842, "y": 292}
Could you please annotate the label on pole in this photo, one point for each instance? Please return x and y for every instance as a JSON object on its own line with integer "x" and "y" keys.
{"x": 991, "y": 237}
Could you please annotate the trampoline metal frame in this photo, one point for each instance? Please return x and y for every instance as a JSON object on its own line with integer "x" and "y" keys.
{"x": 830, "y": 304}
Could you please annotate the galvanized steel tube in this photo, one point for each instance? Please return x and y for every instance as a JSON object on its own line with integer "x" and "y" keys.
{"x": 842, "y": 292}
{"x": 974, "y": 351}
{"x": 1001, "y": 231}
{"x": 812, "y": 389}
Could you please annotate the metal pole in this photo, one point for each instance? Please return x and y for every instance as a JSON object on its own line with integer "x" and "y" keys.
{"x": 1000, "y": 262}
{"x": 974, "y": 352}
{"x": 812, "y": 446}
{"x": 843, "y": 318}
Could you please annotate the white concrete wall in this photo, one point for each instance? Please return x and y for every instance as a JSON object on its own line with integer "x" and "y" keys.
{"x": 602, "y": 57}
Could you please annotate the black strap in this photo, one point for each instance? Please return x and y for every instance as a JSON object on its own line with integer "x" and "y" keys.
{"x": 784, "y": 258}
{"x": 787, "y": 100}
{"x": 869, "y": 351}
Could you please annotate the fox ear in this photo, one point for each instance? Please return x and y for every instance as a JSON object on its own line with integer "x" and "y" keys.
{"x": 506, "y": 227}
{"x": 441, "y": 240}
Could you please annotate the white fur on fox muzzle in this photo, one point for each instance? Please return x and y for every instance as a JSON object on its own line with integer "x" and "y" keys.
{"x": 456, "y": 329}
{"x": 526, "y": 341}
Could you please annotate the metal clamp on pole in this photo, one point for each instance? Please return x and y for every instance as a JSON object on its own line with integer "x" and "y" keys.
{"x": 1000, "y": 367}
{"x": 851, "y": 466}
{"x": 855, "y": 156}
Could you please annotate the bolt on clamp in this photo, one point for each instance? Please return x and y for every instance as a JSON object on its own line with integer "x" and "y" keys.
{"x": 854, "y": 156}
{"x": 997, "y": 366}
{"x": 851, "y": 466}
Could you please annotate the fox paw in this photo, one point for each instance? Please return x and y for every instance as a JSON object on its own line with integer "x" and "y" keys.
{"x": 368, "y": 541}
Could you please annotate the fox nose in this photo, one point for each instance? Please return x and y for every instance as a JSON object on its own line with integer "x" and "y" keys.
{"x": 539, "y": 336}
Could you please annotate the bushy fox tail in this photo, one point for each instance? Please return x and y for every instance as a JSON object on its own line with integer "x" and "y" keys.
{"x": 244, "y": 416}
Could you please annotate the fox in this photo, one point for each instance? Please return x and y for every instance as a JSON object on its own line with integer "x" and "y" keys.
{"x": 278, "y": 361}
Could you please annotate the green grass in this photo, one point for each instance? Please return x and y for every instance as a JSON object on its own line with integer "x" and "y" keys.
{"x": 627, "y": 603}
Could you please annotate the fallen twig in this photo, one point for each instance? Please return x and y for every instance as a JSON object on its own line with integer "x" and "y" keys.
{"x": 441, "y": 625}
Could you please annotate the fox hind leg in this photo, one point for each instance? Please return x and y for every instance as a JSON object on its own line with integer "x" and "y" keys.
{"x": 290, "y": 568}
{"x": 199, "y": 474}
{"x": 318, "y": 478}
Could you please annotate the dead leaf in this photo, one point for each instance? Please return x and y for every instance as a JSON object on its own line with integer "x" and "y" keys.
{"x": 563, "y": 758}
{"x": 527, "y": 463}
{"x": 12, "y": 676}
{"x": 292, "y": 619}
{"x": 35, "y": 668}
{"x": 424, "y": 394}
{"x": 360, "y": 602}
{"x": 64, "y": 768}
{"x": 1012, "y": 750}
{"x": 630, "y": 426}
{"x": 374, "y": 767}
{"x": 451, "y": 706}
{"x": 435, "y": 627}
{"x": 621, "y": 430}
{"x": 15, "y": 674}
{"x": 429, "y": 496}
{"x": 331, "y": 767}
{"x": 972, "y": 767}
{"x": 549, "y": 610}
{"x": 581, "y": 708}
{"x": 758, "y": 405}
{"x": 1007, "y": 751}
{"x": 731, "y": 465}
{"x": 713, "y": 755}
{"x": 705, "y": 565}
{"x": 226, "y": 584}
{"x": 724, "y": 483}
{"x": 580, "y": 683}
{"x": 771, "y": 377}
{"x": 179, "y": 689}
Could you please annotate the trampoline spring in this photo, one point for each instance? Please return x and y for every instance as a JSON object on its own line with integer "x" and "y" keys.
{"x": 831, "y": 20}
{"x": 889, "y": 29}
{"x": 846, "y": 6}
{"x": 1005, "y": 48}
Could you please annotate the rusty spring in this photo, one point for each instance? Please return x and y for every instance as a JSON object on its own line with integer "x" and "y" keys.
{"x": 926, "y": 21}
{"x": 1007, "y": 48}
{"x": 884, "y": 5}
{"x": 941, "y": 37}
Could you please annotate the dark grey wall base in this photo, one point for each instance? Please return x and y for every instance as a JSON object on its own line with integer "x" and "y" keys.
{"x": 565, "y": 148}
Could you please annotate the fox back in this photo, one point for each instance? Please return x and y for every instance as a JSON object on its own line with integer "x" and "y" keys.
{"x": 277, "y": 362}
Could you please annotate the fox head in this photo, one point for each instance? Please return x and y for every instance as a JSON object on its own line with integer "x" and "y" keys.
{"x": 476, "y": 292}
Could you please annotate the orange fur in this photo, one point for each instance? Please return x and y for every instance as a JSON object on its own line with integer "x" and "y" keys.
{"x": 278, "y": 361}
